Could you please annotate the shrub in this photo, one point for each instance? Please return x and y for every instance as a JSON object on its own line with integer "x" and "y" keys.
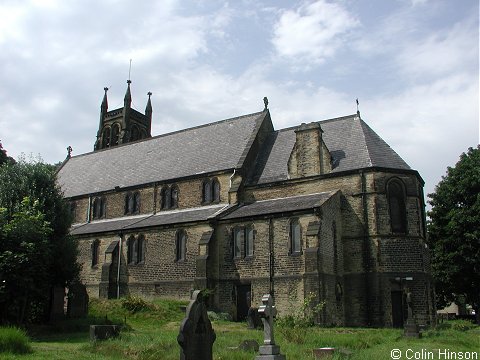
{"x": 462, "y": 325}
{"x": 14, "y": 341}
{"x": 216, "y": 316}
{"x": 304, "y": 316}
{"x": 135, "y": 304}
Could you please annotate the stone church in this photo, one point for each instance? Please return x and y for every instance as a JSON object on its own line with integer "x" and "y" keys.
{"x": 324, "y": 210}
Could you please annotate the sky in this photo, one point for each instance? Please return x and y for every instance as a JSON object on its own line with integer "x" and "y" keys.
{"x": 412, "y": 64}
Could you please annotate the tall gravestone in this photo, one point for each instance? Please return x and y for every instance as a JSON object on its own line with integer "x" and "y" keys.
{"x": 196, "y": 336}
{"x": 269, "y": 350}
{"x": 411, "y": 328}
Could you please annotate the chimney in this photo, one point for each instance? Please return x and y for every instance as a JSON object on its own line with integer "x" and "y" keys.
{"x": 311, "y": 155}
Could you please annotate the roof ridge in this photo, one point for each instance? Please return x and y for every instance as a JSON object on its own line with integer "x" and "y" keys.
{"x": 172, "y": 133}
{"x": 353, "y": 116}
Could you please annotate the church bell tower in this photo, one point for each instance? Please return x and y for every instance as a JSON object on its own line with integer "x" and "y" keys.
{"x": 123, "y": 125}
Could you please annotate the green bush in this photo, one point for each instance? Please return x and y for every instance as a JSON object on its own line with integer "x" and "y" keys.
{"x": 135, "y": 304}
{"x": 13, "y": 340}
{"x": 462, "y": 325}
{"x": 303, "y": 316}
{"x": 219, "y": 316}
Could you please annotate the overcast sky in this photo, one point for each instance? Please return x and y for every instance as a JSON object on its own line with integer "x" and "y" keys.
{"x": 413, "y": 65}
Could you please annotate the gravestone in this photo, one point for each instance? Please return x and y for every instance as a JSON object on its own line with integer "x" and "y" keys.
{"x": 269, "y": 350}
{"x": 57, "y": 303}
{"x": 410, "y": 328}
{"x": 103, "y": 332}
{"x": 77, "y": 303}
{"x": 196, "y": 336}
{"x": 253, "y": 319}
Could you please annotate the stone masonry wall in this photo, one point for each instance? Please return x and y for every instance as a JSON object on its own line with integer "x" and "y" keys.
{"x": 190, "y": 195}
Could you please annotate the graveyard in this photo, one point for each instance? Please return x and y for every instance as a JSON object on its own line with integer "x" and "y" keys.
{"x": 153, "y": 331}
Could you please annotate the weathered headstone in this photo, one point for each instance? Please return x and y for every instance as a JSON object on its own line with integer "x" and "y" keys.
{"x": 269, "y": 350}
{"x": 77, "y": 303}
{"x": 410, "y": 328}
{"x": 253, "y": 320}
{"x": 103, "y": 332}
{"x": 196, "y": 336}
{"x": 57, "y": 308}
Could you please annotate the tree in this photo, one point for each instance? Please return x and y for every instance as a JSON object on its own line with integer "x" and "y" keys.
{"x": 4, "y": 158}
{"x": 36, "y": 251}
{"x": 454, "y": 232}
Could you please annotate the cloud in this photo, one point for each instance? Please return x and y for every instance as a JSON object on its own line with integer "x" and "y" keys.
{"x": 429, "y": 125}
{"x": 313, "y": 32}
{"x": 441, "y": 53}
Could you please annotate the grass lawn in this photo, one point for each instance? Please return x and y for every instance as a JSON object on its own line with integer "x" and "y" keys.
{"x": 151, "y": 334}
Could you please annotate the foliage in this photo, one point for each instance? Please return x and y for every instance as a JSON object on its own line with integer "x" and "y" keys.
{"x": 219, "y": 316}
{"x": 154, "y": 334}
{"x": 454, "y": 232}
{"x": 135, "y": 304}
{"x": 303, "y": 316}
{"x": 462, "y": 325}
{"x": 4, "y": 158}
{"x": 36, "y": 252}
{"x": 13, "y": 340}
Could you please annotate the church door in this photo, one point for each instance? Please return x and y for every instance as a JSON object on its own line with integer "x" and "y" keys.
{"x": 397, "y": 309}
{"x": 244, "y": 292}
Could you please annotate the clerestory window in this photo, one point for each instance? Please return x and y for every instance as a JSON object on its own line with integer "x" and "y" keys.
{"x": 169, "y": 197}
{"x": 132, "y": 203}
{"x": 210, "y": 191}
{"x": 99, "y": 207}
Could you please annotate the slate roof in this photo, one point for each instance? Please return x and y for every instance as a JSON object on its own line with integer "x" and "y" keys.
{"x": 351, "y": 142}
{"x": 213, "y": 147}
{"x": 280, "y": 205}
{"x": 143, "y": 221}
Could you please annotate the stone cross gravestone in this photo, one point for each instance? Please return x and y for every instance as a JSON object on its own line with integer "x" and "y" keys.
{"x": 269, "y": 350}
{"x": 196, "y": 336}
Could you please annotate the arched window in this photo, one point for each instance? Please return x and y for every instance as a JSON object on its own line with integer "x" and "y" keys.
{"x": 249, "y": 240}
{"x": 115, "y": 134}
{"x": 135, "y": 133}
{"x": 73, "y": 210}
{"x": 396, "y": 206}
{"x": 140, "y": 249}
{"x": 131, "y": 250}
{"x": 238, "y": 238}
{"x": 136, "y": 202}
{"x": 207, "y": 191}
{"x": 99, "y": 207}
{"x": 128, "y": 203}
{"x": 165, "y": 198}
{"x": 295, "y": 240}
{"x": 132, "y": 203}
{"x": 180, "y": 245}
{"x": 169, "y": 197}
{"x": 95, "y": 252}
{"x": 136, "y": 250}
{"x": 174, "y": 196}
{"x": 106, "y": 137}
{"x": 215, "y": 191}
